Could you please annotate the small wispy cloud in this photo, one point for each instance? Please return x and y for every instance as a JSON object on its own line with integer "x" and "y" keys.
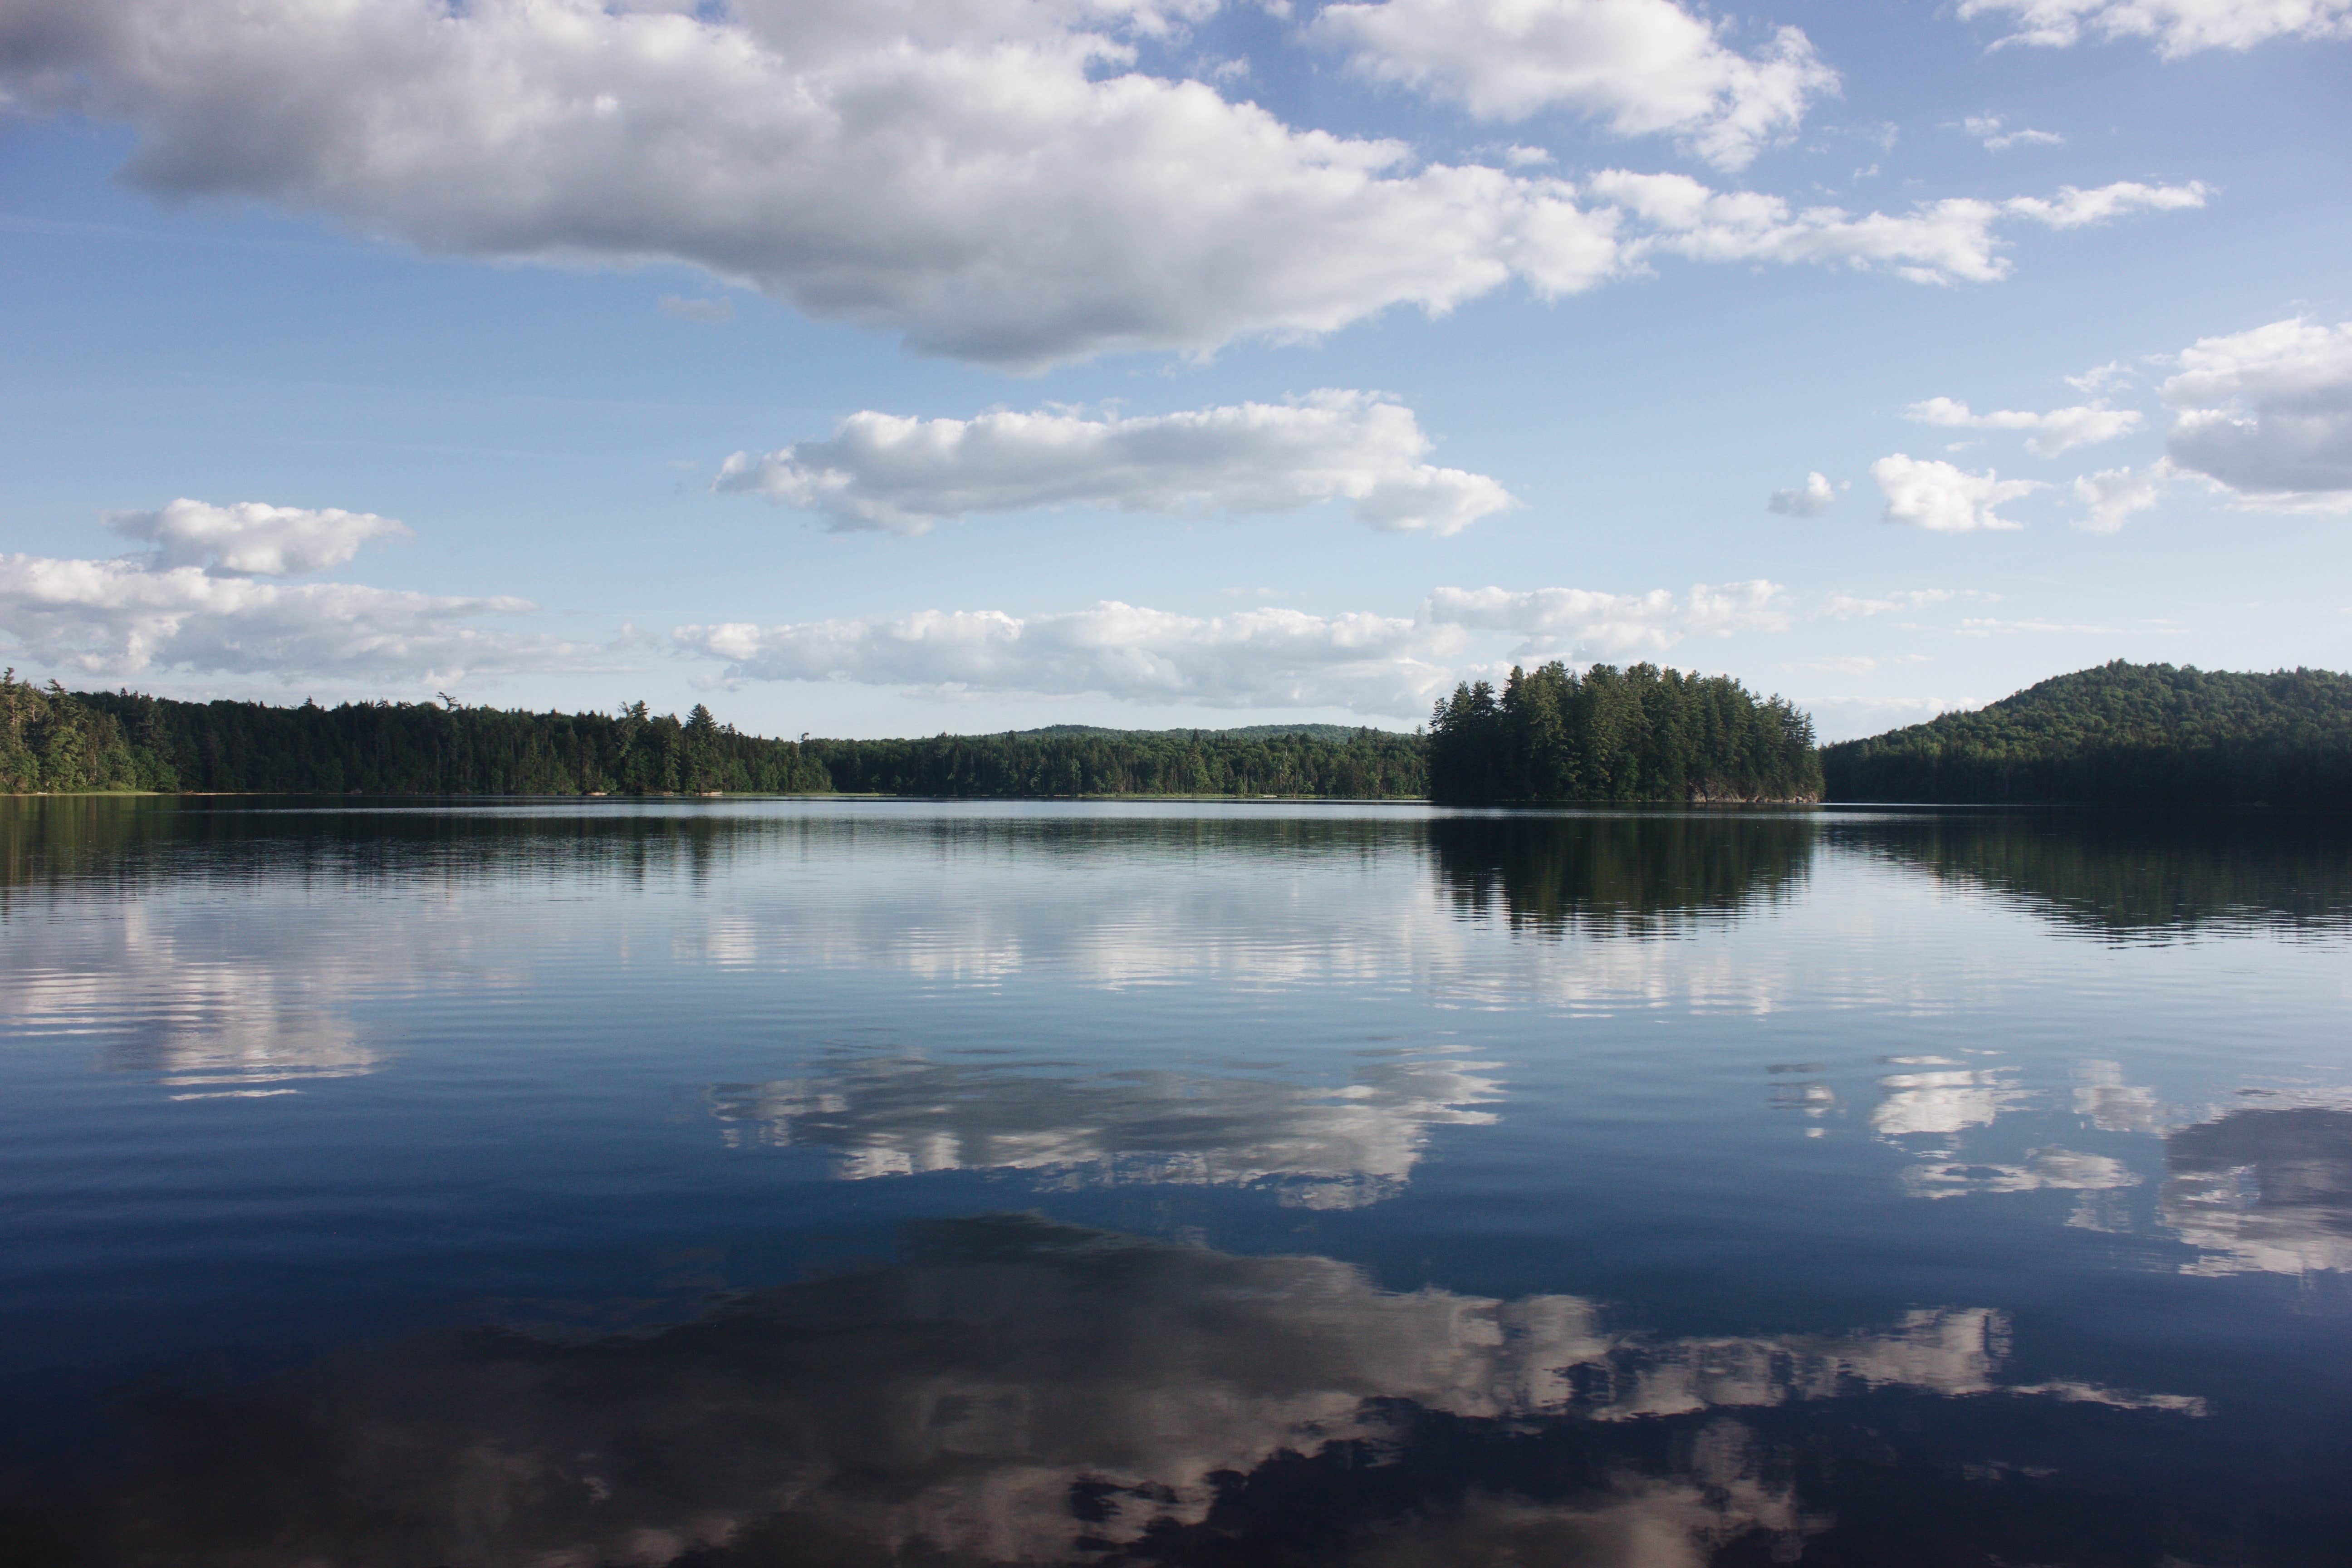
{"x": 709, "y": 312}
{"x": 1848, "y": 606}
{"x": 2101, "y": 378}
{"x": 2112, "y": 495}
{"x": 1811, "y": 499}
{"x": 1987, "y": 129}
{"x": 1936, "y": 496}
{"x": 1985, "y": 626}
{"x": 1854, "y": 664}
{"x": 2053, "y": 431}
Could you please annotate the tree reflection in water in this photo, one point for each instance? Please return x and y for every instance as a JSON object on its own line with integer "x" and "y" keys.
{"x": 2134, "y": 876}
{"x": 1620, "y": 874}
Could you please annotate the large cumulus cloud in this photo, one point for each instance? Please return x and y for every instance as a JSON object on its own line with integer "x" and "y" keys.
{"x": 2268, "y": 414}
{"x": 996, "y": 179}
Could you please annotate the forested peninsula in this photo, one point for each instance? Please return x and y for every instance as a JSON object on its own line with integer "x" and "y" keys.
{"x": 53, "y": 739}
{"x": 1641, "y": 735}
{"x": 2122, "y": 735}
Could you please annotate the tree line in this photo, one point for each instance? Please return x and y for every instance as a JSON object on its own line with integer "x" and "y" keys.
{"x": 1621, "y": 736}
{"x": 1366, "y": 765}
{"x": 53, "y": 739}
{"x": 2122, "y": 735}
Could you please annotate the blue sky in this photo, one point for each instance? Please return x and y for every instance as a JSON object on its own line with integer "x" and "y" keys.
{"x": 890, "y": 368}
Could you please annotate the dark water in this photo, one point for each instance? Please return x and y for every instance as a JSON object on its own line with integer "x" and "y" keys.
{"x": 767, "y": 1184}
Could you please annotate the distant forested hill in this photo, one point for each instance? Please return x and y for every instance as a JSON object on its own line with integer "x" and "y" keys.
{"x": 1244, "y": 731}
{"x": 2122, "y": 735}
{"x": 1359, "y": 765}
{"x": 1618, "y": 735}
{"x": 54, "y": 740}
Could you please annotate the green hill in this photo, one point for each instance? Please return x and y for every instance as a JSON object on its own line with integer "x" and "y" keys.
{"x": 1335, "y": 732}
{"x": 2122, "y": 735}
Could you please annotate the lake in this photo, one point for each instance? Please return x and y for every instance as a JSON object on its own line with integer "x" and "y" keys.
{"x": 736, "y": 1183}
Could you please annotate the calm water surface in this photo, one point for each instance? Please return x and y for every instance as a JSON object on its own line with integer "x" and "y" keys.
{"x": 746, "y": 1184}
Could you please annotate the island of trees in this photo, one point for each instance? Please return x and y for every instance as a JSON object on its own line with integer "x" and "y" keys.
{"x": 1622, "y": 736}
{"x": 2122, "y": 735}
{"x": 53, "y": 739}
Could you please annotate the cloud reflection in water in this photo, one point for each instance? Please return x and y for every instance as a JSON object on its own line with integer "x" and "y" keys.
{"x": 1317, "y": 1147}
{"x": 172, "y": 1001}
{"x": 2262, "y": 1191}
{"x": 1018, "y": 1391}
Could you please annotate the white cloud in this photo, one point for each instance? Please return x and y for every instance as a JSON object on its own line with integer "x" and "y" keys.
{"x": 1721, "y": 609}
{"x": 1587, "y": 624}
{"x": 1987, "y": 130}
{"x": 1850, "y": 606}
{"x": 2112, "y": 495}
{"x": 2075, "y": 207}
{"x": 1985, "y": 627}
{"x": 994, "y": 179}
{"x": 2177, "y": 27}
{"x": 1811, "y": 499}
{"x": 193, "y": 603}
{"x": 881, "y": 471}
{"x": 121, "y": 618}
{"x": 1640, "y": 67}
{"x": 2056, "y": 431}
{"x": 2268, "y": 414}
{"x": 1268, "y": 657}
{"x": 2101, "y": 378}
{"x": 1376, "y": 664}
{"x": 1936, "y": 242}
{"x": 1935, "y": 495}
{"x": 991, "y": 179}
{"x": 1854, "y": 663}
{"x": 253, "y": 540}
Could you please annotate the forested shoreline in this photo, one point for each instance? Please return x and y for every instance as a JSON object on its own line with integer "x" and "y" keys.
{"x": 2116, "y": 735}
{"x": 52, "y": 739}
{"x": 1637, "y": 735}
{"x": 2122, "y": 735}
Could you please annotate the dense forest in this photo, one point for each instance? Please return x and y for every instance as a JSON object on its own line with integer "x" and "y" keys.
{"x": 1368, "y": 764}
{"x": 53, "y": 739}
{"x": 2122, "y": 735}
{"x": 1639, "y": 734}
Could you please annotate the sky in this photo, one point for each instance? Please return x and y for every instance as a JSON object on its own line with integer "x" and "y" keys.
{"x": 884, "y": 367}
